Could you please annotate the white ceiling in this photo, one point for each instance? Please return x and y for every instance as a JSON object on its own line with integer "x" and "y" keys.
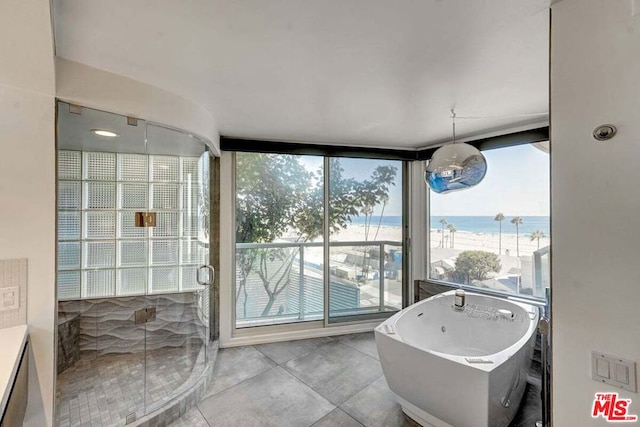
{"x": 349, "y": 72}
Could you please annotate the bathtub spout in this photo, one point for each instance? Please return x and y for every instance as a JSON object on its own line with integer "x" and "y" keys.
{"x": 459, "y": 300}
{"x": 507, "y": 314}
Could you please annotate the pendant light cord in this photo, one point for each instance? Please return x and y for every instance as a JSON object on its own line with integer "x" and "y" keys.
{"x": 453, "y": 119}
{"x": 500, "y": 117}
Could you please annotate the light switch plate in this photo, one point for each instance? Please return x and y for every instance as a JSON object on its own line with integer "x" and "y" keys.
{"x": 603, "y": 368}
{"x": 613, "y": 370}
{"x": 9, "y": 298}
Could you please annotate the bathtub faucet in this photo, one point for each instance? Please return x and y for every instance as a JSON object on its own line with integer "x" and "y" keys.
{"x": 460, "y": 299}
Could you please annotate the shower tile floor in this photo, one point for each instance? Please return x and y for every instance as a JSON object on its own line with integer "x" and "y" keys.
{"x": 101, "y": 391}
{"x": 324, "y": 382}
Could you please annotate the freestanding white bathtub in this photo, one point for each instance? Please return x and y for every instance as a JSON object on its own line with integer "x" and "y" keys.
{"x": 460, "y": 368}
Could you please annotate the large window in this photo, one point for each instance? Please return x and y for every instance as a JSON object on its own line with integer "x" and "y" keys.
{"x": 496, "y": 235}
{"x": 282, "y": 273}
{"x": 279, "y": 235}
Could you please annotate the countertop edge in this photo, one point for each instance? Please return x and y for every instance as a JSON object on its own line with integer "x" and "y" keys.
{"x": 14, "y": 346}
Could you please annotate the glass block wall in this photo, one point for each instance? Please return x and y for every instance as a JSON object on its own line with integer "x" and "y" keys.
{"x": 101, "y": 252}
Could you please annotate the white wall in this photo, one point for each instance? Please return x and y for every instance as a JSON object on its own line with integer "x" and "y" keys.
{"x": 595, "y": 79}
{"x": 27, "y": 179}
{"x": 91, "y": 87}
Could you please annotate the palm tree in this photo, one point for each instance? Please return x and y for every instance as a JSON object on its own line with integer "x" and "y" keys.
{"x": 517, "y": 221}
{"x": 452, "y": 233}
{"x": 443, "y": 222}
{"x": 537, "y": 235}
{"x": 499, "y": 217}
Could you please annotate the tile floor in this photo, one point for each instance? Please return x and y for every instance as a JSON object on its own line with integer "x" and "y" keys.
{"x": 101, "y": 391}
{"x": 324, "y": 382}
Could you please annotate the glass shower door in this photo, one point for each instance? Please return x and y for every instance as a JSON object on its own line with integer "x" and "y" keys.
{"x": 177, "y": 331}
{"x": 132, "y": 273}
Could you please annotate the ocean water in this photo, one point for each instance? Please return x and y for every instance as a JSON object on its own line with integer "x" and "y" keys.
{"x": 474, "y": 224}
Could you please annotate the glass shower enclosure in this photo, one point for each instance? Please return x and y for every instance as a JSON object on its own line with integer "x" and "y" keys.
{"x": 133, "y": 269}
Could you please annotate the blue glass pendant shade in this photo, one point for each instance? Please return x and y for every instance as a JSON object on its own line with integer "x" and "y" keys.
{"x": 455, "y": 167}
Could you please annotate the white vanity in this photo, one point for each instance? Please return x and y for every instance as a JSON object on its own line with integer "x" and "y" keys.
{"x": 14, "y": 369}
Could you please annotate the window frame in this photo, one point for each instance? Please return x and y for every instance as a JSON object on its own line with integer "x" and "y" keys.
{"x": 325, "y": 322}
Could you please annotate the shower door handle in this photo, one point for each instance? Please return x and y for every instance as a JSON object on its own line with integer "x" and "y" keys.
{"x": 211, "y": 275}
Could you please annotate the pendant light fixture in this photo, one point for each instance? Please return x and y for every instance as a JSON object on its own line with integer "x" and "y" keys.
{"x": 455, "y": 166}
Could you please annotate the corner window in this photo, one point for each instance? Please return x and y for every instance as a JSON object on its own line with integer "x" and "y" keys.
{"x": 496, "y": 235}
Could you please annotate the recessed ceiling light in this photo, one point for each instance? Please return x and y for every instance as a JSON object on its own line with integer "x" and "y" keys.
{"x": 102, "y": 132}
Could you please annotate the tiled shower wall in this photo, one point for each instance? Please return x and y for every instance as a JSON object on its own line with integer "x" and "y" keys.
{"x": 100, "y": 251}
{"x": 97, "y": 327}
{"x": 13, "y": 273}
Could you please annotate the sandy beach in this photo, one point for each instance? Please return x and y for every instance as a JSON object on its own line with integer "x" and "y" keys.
{"x": 443, "y": 250}
{"x": 357, "y": 232}
{"x": 443, "y": 256}
{"x": 462, "y": 240}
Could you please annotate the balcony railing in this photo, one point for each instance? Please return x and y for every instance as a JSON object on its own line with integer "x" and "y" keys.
{"x": 364, "y": 277}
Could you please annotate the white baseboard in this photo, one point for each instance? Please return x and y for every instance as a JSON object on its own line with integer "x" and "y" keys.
{"x": 257, "y": 337}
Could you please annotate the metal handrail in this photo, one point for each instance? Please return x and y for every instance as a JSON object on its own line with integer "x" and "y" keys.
{"x": 278, "y": 245}
{"x": 302, "y": 245}
{"x": 316, "y": 244}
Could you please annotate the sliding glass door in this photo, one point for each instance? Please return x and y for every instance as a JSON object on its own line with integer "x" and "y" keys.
{"x": 286, "y": 271}
{"x": 365, "y": 244}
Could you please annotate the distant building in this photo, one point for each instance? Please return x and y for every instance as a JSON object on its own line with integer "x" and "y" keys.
{"x": 442, "y": 268}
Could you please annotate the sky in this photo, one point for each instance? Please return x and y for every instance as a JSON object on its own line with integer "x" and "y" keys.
{"x": 516, "y": 183}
